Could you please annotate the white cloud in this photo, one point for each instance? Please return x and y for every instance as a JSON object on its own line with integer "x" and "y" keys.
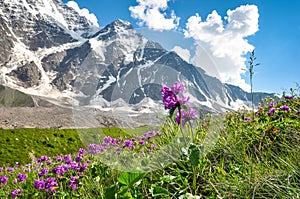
{"x": 183, "y": 53}
{"x": 224, "y": 41}
{"x": 152, "y": 14}
{"x": 84, "y": 12}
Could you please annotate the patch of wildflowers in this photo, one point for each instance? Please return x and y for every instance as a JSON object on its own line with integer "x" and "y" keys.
{"x": 289, "y": 97}
{"x": 73, "y": 182}
{"x": 94, "y": 148}
{"x": 68, "y": 159}
{"x": 271, "y": 111}
{"x": 21, "y": 177}
{"x": 16, "y": 193}
{"x": 178, "y": 87}
{"x": 42, "y": 159}
{"x": 51, "y": 185}
{"x": 10, "y": 169}
{"x": 186, "y": 116}
{"x": 3, "y": 179}
{"x": 60, "y": 170}
{"x": 59, "y": 158}
{"x": 39, "y": 184}
{"x": 285, "y": 108}
{"x": 43, "y": 172}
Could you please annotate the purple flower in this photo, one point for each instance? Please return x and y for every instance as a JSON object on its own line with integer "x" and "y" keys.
{"x": 42, "y": 159}
{"x": 186, "y": 116}
{"x": 178, "y": 87}
{"x": 141, "y": 142}
{"x": 43, "y": 172}
{"x": 271, "y": 105}
{"x": 246, "y": 119}
{"x": 73, "y": 186}
{"x": 10, "y": 169}
{"x": 285, "y": 108}
{"x": 128, "y": 144}
{"x": 3, "y": 179}
{"x": 271, "y": 111}
{"x": 94, "y": 148}
{"x": 68, "y": 159}
{"x": 223, "y": 128}
{"x": 169, "y": 97}
{"x": 73, "y": 182}
{"x": 81, "y": 152}
{"x": 21, "y": 177}
{"x": 16, "y": 192}
{"x": 59, "y": 158}
{"x": 60, "y": 170}
{"x": 1, "y": 169}
{"x": 153, "y": 146}
{"x": 118, "y": 151}
{"x": 50, "y": 185}
{"x": 289, "y": 97}
{"x": 78, "y": 158}
{"x": 73, "y": 165}
{"x": 297, "y": 112}
{"x": 82, "y": 168}
{"x": 183, "y": 100}
{"x": 39, "y": 184}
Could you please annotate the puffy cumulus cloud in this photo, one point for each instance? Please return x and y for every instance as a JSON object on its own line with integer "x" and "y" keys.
{"x": 225, "y": 41}
{"x": 152, "y": 13}
{"x": 84, "y": 12}
{"x": 183, "y": 53}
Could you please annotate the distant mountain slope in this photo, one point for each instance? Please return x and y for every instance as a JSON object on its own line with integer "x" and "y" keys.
{"x": 52, "y": 51}
{"x": 14, "y": 98}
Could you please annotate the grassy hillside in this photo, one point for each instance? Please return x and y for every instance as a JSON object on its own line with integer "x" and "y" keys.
{"x": 257, "y": 155}
{"x": 20, "y": 145}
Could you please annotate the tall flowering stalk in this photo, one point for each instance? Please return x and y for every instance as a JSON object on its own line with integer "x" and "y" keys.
{"x": 174, "y": 100}
{"x": 252, "y": 58}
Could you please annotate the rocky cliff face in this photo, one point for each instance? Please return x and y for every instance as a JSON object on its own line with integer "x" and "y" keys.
{"x": 48, "y": 49}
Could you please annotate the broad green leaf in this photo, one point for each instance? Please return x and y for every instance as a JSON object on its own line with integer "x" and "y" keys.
{"x": 129, "y": 178}
{"x": 194, "y": 155}
{"x": 159, "y": 191}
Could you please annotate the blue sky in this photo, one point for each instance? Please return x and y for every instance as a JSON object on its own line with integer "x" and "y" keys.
{"x": 220, "y": 43}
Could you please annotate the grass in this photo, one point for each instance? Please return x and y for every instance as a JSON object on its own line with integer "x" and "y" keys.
{"x": 252, "y": 158}
{"x": 20, "y": 145}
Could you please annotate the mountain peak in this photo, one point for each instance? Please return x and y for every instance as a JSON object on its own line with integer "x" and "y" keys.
{"x": 122, "y": 23}
{"x": 114, "y": 28}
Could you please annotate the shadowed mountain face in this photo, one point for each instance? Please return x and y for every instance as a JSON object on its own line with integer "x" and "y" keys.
{"x": 52, "y": 51}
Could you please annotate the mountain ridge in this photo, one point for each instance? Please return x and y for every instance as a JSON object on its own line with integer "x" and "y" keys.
{"x": 61, "y": 55}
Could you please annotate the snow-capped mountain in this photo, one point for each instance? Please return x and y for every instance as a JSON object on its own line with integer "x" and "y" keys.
{"x": 48, "y": 49}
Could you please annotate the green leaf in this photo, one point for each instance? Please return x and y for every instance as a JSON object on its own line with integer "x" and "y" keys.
{"x": 123, "y": 190}
{"x": 129, "y": 178}
{"x": 194, "y": 155}
{"x": 127, "y": 195}
{"x": 111, "y": 192}
{"x": 159, "y": 191}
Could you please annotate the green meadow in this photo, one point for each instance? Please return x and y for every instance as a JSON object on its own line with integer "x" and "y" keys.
{"x": 257, "y": 155}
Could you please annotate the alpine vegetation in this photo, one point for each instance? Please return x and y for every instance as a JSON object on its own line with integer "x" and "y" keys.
{"x": 249, "y": 159}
